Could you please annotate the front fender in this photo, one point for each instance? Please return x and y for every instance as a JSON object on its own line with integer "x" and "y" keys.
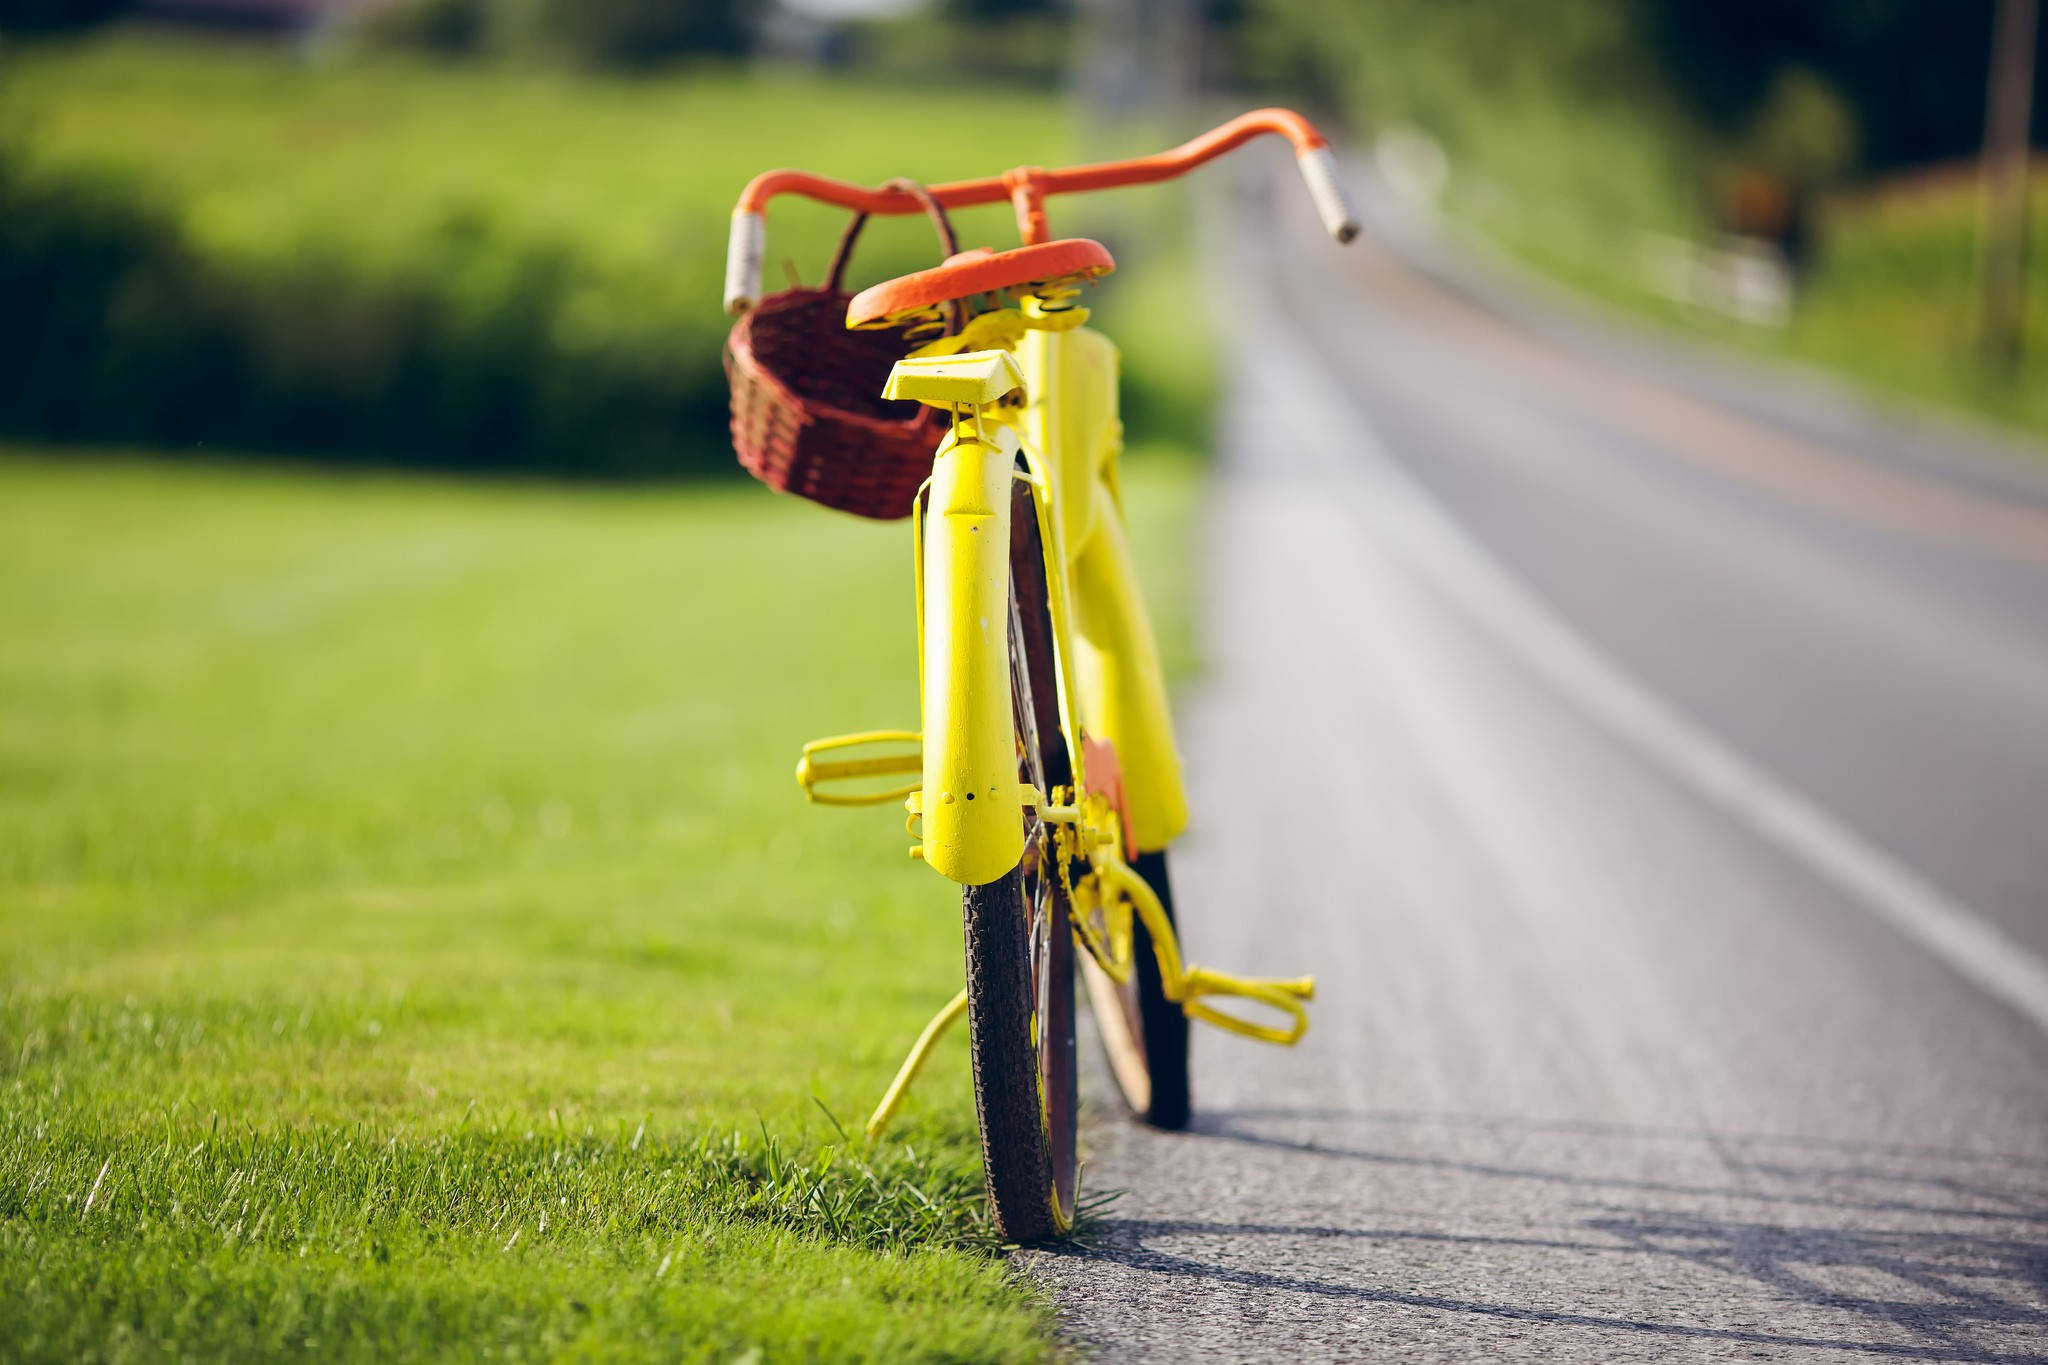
{"x": 970, "y": 802}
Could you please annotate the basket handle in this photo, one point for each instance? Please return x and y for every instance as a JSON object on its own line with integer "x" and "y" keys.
{"x": 835, "y": 274}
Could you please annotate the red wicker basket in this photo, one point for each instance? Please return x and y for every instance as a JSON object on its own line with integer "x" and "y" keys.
{"x": 807, "y": 412}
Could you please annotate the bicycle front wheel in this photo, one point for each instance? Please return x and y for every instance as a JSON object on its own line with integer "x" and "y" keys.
{"x": 1020, "y": 949}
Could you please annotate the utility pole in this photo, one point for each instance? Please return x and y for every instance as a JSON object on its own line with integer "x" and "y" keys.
{"x": 2008, "y": 109}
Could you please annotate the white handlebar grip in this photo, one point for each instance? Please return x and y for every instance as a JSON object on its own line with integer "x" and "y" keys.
{"x": 1319, "y": 169}
{"x": 743, "y": 253}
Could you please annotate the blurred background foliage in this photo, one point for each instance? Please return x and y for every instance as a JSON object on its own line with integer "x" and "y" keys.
{"x": 486, "y": 233}
{"x": 487, "y": 267}
{"x": 1606, "y": 142}
{"x": 482, "y": 234}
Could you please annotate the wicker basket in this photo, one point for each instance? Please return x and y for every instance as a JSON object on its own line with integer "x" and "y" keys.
{"x": 807, "y": 413}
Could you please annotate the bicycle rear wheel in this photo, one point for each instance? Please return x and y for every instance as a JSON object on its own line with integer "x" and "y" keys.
{"x": 1144, "y": 1034}
{"x": 1020, "y": 949}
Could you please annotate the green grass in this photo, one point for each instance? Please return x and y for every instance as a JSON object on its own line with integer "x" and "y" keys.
{"x": 1891, "y": 304}
{"x": 412, "y": 941}
{"x": 265, "y": 154}
{"x": 1895, "y": 301}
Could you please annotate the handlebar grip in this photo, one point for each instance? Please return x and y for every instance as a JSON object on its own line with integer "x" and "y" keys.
{"x": 744, "y": 251}
{"x": 1319, "y": 171}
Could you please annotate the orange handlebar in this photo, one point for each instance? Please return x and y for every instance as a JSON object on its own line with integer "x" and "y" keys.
{"x": 1026, "y": 188}
{"x": 1141, "y": 170}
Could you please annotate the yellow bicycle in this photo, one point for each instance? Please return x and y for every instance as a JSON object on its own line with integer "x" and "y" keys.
{"x": 1044, "y": 777}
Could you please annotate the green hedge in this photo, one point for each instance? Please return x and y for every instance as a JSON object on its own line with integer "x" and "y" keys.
{"x": 465, "y": 357}
{"x": 491, "y": 266}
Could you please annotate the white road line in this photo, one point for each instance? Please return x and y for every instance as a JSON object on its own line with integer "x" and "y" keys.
{"x": 1399, "y": 509}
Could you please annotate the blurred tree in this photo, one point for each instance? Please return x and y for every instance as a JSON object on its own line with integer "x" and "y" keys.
{"x": 1803, "y": 130}
{"x": 444, "y": 28}
{"x": 1911, "y": 72}
{"x": 2002, "y": 264}
{"x": 645, "y": 33}
{"x": 55, "y": 16}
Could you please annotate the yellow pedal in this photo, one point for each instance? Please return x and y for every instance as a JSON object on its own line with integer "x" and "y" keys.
{"x": 975, "y": 378}
{"x": 838, "y": 760}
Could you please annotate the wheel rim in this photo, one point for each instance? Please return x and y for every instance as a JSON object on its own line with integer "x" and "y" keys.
{"x": 1119, "y": 1021}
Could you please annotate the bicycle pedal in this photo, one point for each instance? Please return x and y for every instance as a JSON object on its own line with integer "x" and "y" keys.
{"x": 822, "y": 764}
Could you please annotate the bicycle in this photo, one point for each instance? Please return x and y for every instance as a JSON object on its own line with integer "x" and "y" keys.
{"x": 1046, "y": 781}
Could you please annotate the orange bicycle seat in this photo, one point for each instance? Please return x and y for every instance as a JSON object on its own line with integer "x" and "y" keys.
{"x": 980, "y": 271}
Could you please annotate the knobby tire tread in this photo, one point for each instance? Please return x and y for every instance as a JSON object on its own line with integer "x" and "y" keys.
{"x": 1015, "y": 1156}
{"x": 1027, "y": 1175}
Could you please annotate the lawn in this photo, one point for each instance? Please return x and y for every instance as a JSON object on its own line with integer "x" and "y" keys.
{"x": 412, "y": 941}
{"x": 1895, "y": 303}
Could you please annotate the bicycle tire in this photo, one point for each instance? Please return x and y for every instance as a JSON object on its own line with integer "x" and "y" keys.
{"x": 1020, "y": 951}
{"x": 1144, "y": 1035}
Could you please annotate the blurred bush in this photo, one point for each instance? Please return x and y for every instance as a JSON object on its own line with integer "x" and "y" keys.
{"x": 610, "y": 34}
{"x": 1804, "y": 130}
{"x": 475, "y": 352}
{"x": 468, "y": 355}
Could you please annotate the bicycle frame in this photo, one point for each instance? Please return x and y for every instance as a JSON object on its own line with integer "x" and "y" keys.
{"x": 1114, "y": 717}
{"x": 1068, "y": 438}
{"x": 1037, "y": 403}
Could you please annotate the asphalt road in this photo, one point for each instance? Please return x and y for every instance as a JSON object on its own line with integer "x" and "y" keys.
{"x": 1652, "y": 762}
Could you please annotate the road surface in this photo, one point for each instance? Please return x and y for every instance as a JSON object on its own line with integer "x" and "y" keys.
{"x": 1652, "y": 763}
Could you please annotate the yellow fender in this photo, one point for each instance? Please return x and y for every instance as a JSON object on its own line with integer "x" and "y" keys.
{"x": 970, "y": 800}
